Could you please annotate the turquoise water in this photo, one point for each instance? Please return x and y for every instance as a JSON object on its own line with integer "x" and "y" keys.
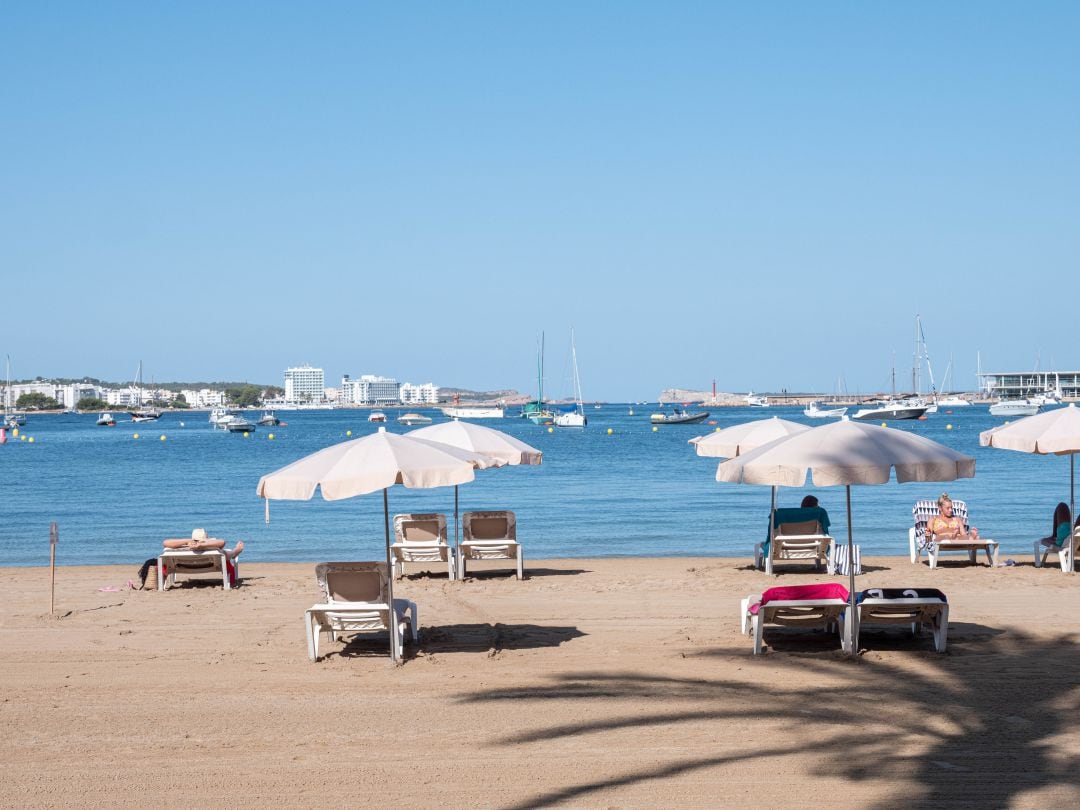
{"x": 634, "y": 492}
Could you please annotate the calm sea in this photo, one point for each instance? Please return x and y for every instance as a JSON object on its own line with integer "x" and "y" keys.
{"x": 634, "y": 492}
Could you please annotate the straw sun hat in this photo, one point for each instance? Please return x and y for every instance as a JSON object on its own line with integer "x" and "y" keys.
{"x": 198, "y": 534}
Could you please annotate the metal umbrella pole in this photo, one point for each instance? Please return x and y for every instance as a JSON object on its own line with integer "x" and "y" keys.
{"x": 395, "y": 654}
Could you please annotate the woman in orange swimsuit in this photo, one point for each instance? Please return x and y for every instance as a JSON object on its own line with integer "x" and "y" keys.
{"x": 947, "y": 526}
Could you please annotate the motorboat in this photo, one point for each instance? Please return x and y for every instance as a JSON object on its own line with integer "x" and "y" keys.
{"x": 106, "y": 420}
{"x": 414, "y": 419}
{"x": 891, "y": 409}
{"x": 221, "y": 417}
{"x": 145, "y": 415}
{"x": 1014, "y": 407}
{"x": 473, "y": 412}
{"x": 952, "y": 401}
{"x": 269, "y": 420}
{"x": 376, "y": 416}
{"x": 678, "y": 417}
{"x": 239, "y": 424}
{"x": 815, "y": 411}
{"x": 756, "y": 400}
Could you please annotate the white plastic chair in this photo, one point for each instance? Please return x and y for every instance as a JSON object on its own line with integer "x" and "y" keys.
{"x": 356, "y": 596}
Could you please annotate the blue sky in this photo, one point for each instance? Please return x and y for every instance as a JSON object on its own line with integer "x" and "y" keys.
{"x": 761, "y": 194}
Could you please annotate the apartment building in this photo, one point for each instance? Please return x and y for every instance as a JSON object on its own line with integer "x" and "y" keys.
{"x": 304, "y": 384}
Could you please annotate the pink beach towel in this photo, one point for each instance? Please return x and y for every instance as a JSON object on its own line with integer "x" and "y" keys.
{"x": 795, "y": 593}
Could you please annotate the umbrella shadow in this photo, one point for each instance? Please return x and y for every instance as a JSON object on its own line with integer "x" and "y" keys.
{"x": 981, "y": 724}
{"x": 492, "y": 639}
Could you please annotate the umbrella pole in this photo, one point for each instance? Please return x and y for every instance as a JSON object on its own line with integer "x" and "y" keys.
{"x": 457, "y": 543}
{"x": 772, "y": 524}
{"x": 394, "y": 655}
{"x": 852, "y": 623}
{"x": 1072, "y": 485}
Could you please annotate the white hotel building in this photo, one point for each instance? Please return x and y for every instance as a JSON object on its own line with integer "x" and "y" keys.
{"x": 426, "y": 394}
{"x": 303, "y": 384}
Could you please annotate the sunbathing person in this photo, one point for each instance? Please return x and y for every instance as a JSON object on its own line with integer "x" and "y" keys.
{"x": 947, "y": 526}
{"x": 200, "y": 542}
{"x": 1062, "y": 527}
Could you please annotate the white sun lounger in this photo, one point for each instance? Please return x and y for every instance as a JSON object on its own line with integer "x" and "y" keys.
{"x": 490, "y": 535}
{"x": 795, "y": 542}
{"x": 919, "y": 543}
{"x": 420, "y": 538}
{"x": 912, "y": 607}
{"x": 356, "y": 595}
{"x": 807, "y": 606}
{"x": 186, "y": 561}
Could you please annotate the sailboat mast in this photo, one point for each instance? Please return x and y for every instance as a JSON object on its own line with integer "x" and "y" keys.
{"x": 577, "y": 377}
{"x": 916, "y": 365}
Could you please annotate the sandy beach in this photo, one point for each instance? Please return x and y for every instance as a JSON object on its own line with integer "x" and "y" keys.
{"x": 593, "y": 683}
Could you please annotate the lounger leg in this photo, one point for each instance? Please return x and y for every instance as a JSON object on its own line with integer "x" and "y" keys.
{"x": 758, "y": 562}
{"x": 1040, "y": 558}
{"x": 759, "y": 632}
{"x": 520, "y": 564}
{"x": 932, "y": 555}
{"x": 768, "y": 564}
{"x": 312, "y": 636}
{"x": 941, "y": 632}
{"x": 225, "y": 575}
{"x": 160, "y": 574}
{"x": 414, "y": 621}
{"x": 847, "y": 643}
{"x": 744, "y": 613}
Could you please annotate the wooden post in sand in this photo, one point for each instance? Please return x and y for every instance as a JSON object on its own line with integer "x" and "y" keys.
{"x": 54, "y": 536}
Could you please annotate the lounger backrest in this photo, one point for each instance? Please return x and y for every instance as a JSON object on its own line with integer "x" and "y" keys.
{"x": 353, "y": 581}
{"x": 420, "y": 528}
{"x": 804, "y": 527}
{"x": 923, "y": 511}
{"x": 500, "y": 525}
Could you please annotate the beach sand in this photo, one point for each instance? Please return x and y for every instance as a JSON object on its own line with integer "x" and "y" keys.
{"x": 593, "y": 683}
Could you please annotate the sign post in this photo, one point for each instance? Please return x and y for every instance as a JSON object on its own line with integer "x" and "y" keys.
{"x": 54, "y": 537}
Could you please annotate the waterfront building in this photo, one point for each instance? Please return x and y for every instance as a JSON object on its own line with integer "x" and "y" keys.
{"x": 204, "y": 398}
{"x": 426, "y": 394}
{"x": 304, "y": 384}
{"x": 1020, "y": 384}
{"x": 370, "y": 389}
{"x": 71, "y": 394}
{"x": 128, "y": 397}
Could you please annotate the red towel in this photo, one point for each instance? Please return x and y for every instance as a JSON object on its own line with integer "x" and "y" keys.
{"x": 829, "y": 590}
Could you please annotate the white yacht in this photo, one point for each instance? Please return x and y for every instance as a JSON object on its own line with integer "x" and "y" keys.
{"x": 376, "y": 416}
{"x": 414, "y": 419}
{"x": 891, "y": 409}
{"x": 756, "y": 400}
{"x": 575, "y": 417}
{"x": 952, "y": 401}
{"x": 1014, "y": 407}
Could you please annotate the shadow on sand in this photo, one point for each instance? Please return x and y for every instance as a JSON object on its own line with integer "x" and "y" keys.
{"x": 981, "y": 725}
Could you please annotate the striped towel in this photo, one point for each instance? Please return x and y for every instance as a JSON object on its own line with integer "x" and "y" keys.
{"x": 923, "y": 511}
{"x": 838, "y": 559}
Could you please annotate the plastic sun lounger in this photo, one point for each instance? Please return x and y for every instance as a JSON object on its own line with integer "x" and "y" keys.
{"x": 1066, "y": 552}
{"x": 795, "y": 542}
{"x": 807, "y": 606}
{"x": 919, "y": 544}
{"x": 905, "y": 607}
{"x": 186, "y": 561}
{"x": 490, "y": 535}
{"x": 356, "y": 602}
{"x": 420, "y": 538}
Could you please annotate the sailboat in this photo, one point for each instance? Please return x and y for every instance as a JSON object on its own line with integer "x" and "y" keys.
{"x": 11, "y": 418}
{"x": 537, "y": 410}
{"x": 947, "y": 400}
{"x": 576, "y": 417}
{"x": 142, "y": 414}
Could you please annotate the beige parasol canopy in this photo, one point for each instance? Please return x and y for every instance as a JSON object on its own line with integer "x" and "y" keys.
{"x": 1054, "y": 432}
{"x": 742, "y": 438}
{"x": 371, "y": 463}
{"x": 480, "y": 439}
{"x": 846, "y": 453}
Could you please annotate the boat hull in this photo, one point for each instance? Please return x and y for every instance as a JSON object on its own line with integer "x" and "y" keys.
{"x": 1014, "y": 409}
{"x": 571, "y": 419}
{"x": 678, "y": 419}
{"x": 455, "y": 412}
{"x": 895, "y": 413}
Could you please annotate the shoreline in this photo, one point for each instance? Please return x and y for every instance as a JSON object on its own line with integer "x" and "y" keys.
{"x": 592, "y": 683}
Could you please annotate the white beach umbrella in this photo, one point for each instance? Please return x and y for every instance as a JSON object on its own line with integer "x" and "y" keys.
{"x": 845, "y": 453}
{"x": 368, "y": 464}
{"x": 1054, "y": 432}
{"x": 744, "y": 437}
{"x": 479, "y": 439}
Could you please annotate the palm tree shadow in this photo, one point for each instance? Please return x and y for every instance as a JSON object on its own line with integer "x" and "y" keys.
{"x": 981, "y": 724}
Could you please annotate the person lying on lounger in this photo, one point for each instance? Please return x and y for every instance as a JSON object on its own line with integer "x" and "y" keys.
{"x": 947, "y": 526}
{"x": 200, "y": 542}
{"x": 1062, "y": 527}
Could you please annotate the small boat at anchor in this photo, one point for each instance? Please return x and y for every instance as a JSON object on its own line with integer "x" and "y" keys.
{"x": 106, "y": 420}
{"x": 678, "y": 417}
{"x": 414, "y": 419}
{"x": 1014, "y": 407}
{"x": 239, "y": 424}
{"x": 891, "y": 409}
{"x": 815, "y": 411}
{"x": 376, "y": 416}
{"x": 268, "y": 419}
